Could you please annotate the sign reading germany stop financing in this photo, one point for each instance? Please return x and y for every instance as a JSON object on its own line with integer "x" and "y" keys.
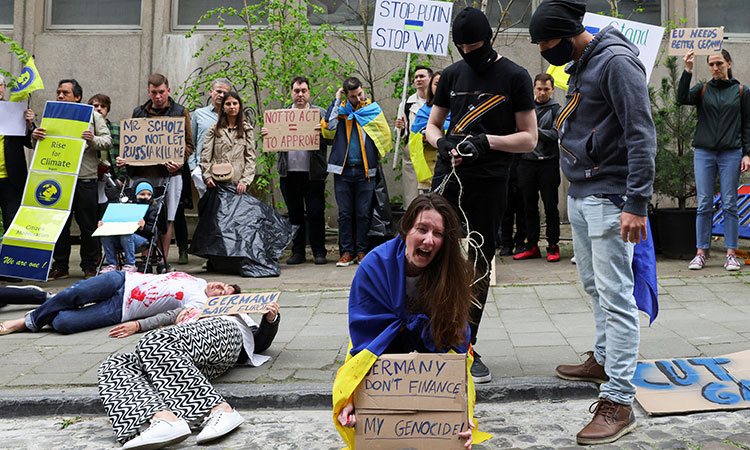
{"x": 412, "y": 26}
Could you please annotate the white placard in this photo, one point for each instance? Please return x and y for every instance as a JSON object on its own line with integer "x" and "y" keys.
{"x": 12, "y": 122}
{"x": 646, "y": 37}
{"x": 412, "y": 26}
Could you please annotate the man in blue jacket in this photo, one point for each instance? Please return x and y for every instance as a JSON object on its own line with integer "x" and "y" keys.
{"x": 608, "y": 144}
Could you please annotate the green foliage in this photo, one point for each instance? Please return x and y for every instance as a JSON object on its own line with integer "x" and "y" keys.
{"x": 675, "y": 126}
{"x": 21, "y": 54}
{"x": 260, "y": 58}
{"x": 65, "y": 423}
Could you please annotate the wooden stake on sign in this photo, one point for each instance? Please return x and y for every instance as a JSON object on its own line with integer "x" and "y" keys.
{"x": 397, "y": 142}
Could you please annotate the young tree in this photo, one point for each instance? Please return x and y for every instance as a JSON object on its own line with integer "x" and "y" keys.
{"x": 275, "y": 43}
{"x": 21, "y": 54}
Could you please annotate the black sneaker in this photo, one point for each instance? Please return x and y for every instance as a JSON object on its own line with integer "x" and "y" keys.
{"x": 296, "y": 258}
{"x": 479, "y": 372}
{"x": 506, "y": 251}
{"x": 321, "y": 259}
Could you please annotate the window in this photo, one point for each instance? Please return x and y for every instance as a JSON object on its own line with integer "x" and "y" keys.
{"x": 187, "y": 12}
{"x": 93, "y": 14}
{"x": 342, "y": 12}
{"x": 729, "y": 13}
{"x": 650, "y": 9}
{"x": 6, "y": 14}
{"x": 519, "y": 13}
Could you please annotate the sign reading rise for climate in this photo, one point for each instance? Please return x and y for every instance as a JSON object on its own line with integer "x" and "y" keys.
{"x": 28, "y": 243}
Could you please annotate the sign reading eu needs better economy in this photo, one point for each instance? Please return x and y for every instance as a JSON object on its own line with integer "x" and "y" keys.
{"x": 239, "y": 304}
{"x": 415, "y": 400}
{"x": 153, "y": 140}
{"x": 291, "y": 129}
{"x": 702, "y": 41}
{"x": 678, "y": 385}
{"x": 412, "y": 26}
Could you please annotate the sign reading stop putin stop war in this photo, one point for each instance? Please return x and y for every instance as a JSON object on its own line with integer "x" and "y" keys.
{"x": 412, "y": 26}
{"x": 291, "y": 129}
{"x": 153, "y": 140}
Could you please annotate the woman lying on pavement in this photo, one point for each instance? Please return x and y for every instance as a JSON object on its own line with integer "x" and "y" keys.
{"x": 166, "y": 380}
{"x": 118, "y": 297}
{"x": 410, "y": 294}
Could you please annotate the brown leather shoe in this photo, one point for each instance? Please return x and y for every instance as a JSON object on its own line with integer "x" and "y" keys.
{"x": 346, "y": 260}
{"x": 590, "y": 370}
{"x": 89, "y": 272}
{"x": 611, "y": 422}
{"x": 57, "y": 274}
{"x": 360, "y": 257}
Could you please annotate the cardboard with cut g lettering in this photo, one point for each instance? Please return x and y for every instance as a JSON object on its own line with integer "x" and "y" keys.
{"x": 413, "y": 400}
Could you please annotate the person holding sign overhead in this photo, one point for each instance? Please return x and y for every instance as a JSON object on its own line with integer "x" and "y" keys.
{"x": 722, "y": 144}
{"x": 410, "y": 294}
{"x": 302, "y": 175}
{"x": 170, "y": 372}
{"x": 86, "y": 199}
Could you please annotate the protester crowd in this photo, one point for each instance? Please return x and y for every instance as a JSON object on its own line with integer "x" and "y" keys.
{"x": 485, "y": 142}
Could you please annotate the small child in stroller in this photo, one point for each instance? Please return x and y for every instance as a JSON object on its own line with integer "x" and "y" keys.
{"x": 132, "y": 243}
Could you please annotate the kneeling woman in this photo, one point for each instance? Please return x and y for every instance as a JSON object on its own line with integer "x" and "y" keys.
{"x": 165, "y": 381}
{"x": 410, "y": 294}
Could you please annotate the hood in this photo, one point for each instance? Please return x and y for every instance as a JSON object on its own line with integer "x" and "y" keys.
{"x": 606, "y": 38}
{"x": 723, "y": 84}
{"x": 546, "y": 105}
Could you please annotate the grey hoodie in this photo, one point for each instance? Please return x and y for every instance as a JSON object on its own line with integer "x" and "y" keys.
{"x": 607, "y": 136}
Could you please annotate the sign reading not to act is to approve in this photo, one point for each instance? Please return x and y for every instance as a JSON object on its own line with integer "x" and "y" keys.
{"x": 291, "y": 129}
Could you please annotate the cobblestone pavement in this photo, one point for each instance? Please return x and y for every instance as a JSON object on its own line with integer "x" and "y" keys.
{"x": 521, "y": 425}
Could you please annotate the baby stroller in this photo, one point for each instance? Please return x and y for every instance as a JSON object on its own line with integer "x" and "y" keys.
{"x": 154, "y": 261}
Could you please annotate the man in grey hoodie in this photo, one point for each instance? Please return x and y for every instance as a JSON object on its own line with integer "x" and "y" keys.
{"x": 608, "y": 144}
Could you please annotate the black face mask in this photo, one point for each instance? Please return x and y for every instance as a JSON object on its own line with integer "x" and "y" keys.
{"x": 560, "y": 54}
{"x": 142, "y": 201}
{"x": 481, "y": 58}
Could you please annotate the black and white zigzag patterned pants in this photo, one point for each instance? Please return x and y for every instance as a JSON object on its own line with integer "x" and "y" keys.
{"x": 169, "y": 371}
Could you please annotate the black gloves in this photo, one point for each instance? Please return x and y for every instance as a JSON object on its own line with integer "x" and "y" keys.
{"x": 445, "y": 146}
{"x": 473, "y": 147}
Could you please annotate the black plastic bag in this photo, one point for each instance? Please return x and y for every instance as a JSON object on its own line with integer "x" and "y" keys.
{"x": 239, "y": 234}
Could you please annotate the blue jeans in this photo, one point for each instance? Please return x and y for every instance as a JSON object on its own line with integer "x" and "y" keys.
{"x": 128, "y": 243}
{"x": 67, "y": 311}
{"x": 354, "y": 198}
{"x": 604, "y": 264}
{"x": 706, "y": 163}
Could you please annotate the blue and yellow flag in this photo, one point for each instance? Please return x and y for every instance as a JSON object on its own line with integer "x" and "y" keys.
{"x": 26, "y": 83}
{"x": 416, "y": 143}
{"x": 371, "y": 120}
{"x": 66, "y": 118}
{"x": 377, "y": 312}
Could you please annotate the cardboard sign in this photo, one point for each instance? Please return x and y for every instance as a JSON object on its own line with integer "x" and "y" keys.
{"x": 154, "y": 140}
{"x": 412, "y": 401}
{"x": 412, "y": 26}
{"x": 291, "y": 129}
{"x": 12, "y": 122}
{"x": 702, "y": 41}
{"x": 694, "y": 384}
{"x": 238, "y": 304}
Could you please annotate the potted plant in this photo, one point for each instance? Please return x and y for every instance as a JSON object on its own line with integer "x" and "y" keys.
{"x": 674, "y": 228}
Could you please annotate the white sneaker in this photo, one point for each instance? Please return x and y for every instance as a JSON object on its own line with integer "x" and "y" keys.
{"x": 109, "y": 268}
{"x": 698, "y": 262}
{"x": 218, "y": 424}
{"x": 732, "y": 264}
{"x": 129, "y": 268}
{"x": 159, "y": 434}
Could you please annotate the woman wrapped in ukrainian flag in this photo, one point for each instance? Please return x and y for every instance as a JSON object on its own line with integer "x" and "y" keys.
{"x": 410, "y": 294}
{"x": 423, "y": 155}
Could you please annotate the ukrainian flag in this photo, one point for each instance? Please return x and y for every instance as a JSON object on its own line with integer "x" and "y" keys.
{"x": 416, "y": 143}
{"x": 371, "y": 120}
{"x": 377, "y": 311}
{"x": 26, "y": 83}
{"x": 66, "y": 119}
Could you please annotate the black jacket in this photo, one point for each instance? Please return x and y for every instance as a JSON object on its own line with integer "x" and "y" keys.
{"x": 15, "y": 158}
{"x": 546, "y": 146}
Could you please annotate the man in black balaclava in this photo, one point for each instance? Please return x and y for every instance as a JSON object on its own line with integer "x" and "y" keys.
{"x": 608, "y": 143}
{"x": 491, "y": 103}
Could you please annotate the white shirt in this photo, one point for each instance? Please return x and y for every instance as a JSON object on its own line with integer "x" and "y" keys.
{"x": 146, "y": 295}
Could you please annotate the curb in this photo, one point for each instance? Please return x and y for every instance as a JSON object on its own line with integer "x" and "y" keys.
{"x": 85, "y": 400}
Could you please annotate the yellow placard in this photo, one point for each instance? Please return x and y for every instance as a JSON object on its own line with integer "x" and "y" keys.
{"x": 58, "y": 154}
{"x": 49, "y": 190}
{"x": 37, "y": 224}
